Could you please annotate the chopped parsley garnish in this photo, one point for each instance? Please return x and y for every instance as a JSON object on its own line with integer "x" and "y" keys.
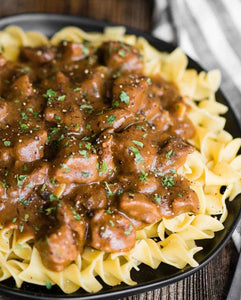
{"x": 64, "y": 166}
{"x": 50, "y": 94}
{"x": 20, "y": 179}
{"x": 48, "y": 284}
{"x": 61, "y": 98}
{"x": 24, "y": 116}
{"x": 24, "y": 202}
{"x": 115, "y": 104}
{"x": 127, "y": 232}
{"x": 23, "y": 126}
{"x": 21, "y": 227}
{"x": 76, "y": 215}
{"x": 88, "y": 126}
{"x": 108, "y": 211}
{"x": 103, "y": 168}
{"x": 77, "y": 89}
{"x": 109, "y": 192}
{"x": 86, "y": 106}
{"x": 111, "y": 119}
{"x": 3, "y": 183}
{"x": 52, "y": 198}
{"x": 124, "y": 97}
{"x": 168, "y": 181}
{"x": 7, "y": 143}
{"x": 122, "y": 53}
{"x": 85, "y": 51}
{"x": 169, "y": 154}
{"x": 137, "y": 143}
{"x": 84, "y": 153}
{"x": 179, "y": 194}
{"x": 88, "y": 145}
{"x": 157, "y": 198}
{"x": 50, "y": 210}
{"x": 111, "y": 223}
{"x": 143, "y": 176}
{"x": 85, "y": 174}
{"x": 138, "y": 157}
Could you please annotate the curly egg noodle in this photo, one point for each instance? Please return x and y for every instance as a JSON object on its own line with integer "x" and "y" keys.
{"x": 214, "y": 163}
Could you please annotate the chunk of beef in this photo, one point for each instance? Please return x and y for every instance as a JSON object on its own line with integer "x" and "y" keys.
{"x": 140, "y": 208}
{"x": 70, "y": 116}
{"x": 94, "y": 85}
{"x": 134, "y": 150}
{"x": 91, "y": 197}
{"x": 21, "y": 88}
{"x": 129, "y": 92}
{"x": 63, "y": 244}
{"x": 30, "y": 147}
{"x": 76, "y": 162}
{"x": 117, "y": 55}
{"x": 172, "y": 154}
{"x": 175, "y": 196}
{"x": 69, "y": 216}
{"x": 23, "y": 184}
{"x": 74, "y": 51}
{"x": 111, "y": 232}
{"x": 58, "y": 249}
{"x": 114, "y": 119}
{"x": 38, "y": 55}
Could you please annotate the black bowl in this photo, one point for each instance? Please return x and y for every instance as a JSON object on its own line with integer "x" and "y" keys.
{"x": 147, "y": 278}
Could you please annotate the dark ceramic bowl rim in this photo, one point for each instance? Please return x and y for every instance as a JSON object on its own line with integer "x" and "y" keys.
{"x": 126, "y": 290}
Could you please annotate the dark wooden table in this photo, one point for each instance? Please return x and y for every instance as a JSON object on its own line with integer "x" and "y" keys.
{"x": 213, "y": 281}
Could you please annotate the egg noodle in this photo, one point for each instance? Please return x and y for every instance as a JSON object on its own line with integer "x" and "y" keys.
{"x": 214, "y": 164}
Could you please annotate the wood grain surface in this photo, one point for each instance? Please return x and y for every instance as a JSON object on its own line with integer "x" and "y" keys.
{"x": 213, "y": 281}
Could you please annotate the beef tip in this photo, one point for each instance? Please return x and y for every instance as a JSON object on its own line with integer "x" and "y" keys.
{"x": 130, "y": 92}
{"x": 91, "y": 197}
{"x": 176, "y": 196}
{"x": 30, "y": 147}
{"x": 58, "y": 249}
{"x": 38, "y": 55}
{"x": 117, "y": 55}
{"x": 111, "y": 232}
{"x": 23, "y": 184}
{"x": 172, "y": 154}
{"x": 94, "y": 85}
{"x": 76, "y": 162}
{"x": 21, "y": 88}
{"x": 74, "y": 51}
{"x": 70, "y": 116}
{"x": 69, "y": 216}
{"x": 113, "y": 119}
{"x": 3, "y": 110}
{"x": 139, "y": 207}
{"x": 134, "y": 150}
{"x": 148, "y": 186}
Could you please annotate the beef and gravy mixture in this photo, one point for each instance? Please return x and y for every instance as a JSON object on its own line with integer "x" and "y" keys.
{"x": 89, "y": 149}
